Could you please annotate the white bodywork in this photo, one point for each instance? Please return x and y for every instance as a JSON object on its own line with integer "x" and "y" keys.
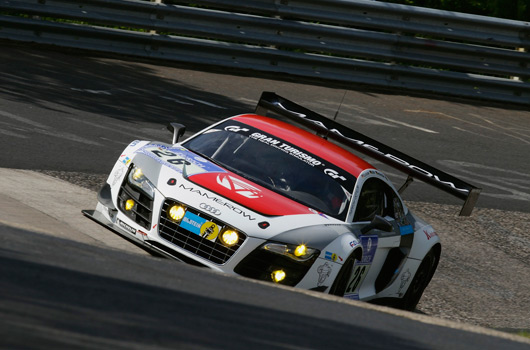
{"x": 338, "y": 241}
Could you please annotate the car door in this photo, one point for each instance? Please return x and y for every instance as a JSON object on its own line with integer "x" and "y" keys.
{"x": 376, "y": 197}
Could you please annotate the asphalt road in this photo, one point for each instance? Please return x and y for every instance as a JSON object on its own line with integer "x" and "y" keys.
{"x": 63, "y": 111}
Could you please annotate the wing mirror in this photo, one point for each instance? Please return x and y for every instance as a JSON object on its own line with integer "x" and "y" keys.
{"x": 379, "y": 223}
{"x": 178, "y": 131}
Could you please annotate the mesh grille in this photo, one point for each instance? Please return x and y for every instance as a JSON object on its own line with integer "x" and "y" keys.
{"x": 142, "y": 210}
{"x": 213, "y": 251}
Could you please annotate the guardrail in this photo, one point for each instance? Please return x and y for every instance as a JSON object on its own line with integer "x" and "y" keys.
{"x": 348, "y": 41}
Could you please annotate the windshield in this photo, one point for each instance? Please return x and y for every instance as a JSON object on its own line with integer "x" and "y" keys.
{"x": 277, "y": 165}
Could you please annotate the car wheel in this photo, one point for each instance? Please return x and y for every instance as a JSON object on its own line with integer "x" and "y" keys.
{"x": 419, "y": 282}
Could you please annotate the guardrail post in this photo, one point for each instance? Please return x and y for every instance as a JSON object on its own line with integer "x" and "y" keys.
{"x": 519, "y": 49}
{"x": 154, "y": 15}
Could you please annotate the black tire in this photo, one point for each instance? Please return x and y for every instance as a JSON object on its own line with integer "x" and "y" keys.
{"x": 419, "y": 282}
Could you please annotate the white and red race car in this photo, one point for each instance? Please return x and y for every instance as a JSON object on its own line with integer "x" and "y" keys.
{"x": 270, "y": 200}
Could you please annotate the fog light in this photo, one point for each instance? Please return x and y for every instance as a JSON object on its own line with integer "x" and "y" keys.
{"x": 229, "y": 238}
{"x": 129, "y": 204}
{"x": 278, "y": 276}
{"x": 300, "y": 250}
{"x": 176, "y": 212}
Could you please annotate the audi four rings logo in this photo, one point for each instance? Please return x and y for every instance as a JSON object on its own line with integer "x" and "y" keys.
{"x": 210, "y": 209}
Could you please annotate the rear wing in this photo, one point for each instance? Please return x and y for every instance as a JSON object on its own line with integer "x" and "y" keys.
{"x": 330, "y": 129}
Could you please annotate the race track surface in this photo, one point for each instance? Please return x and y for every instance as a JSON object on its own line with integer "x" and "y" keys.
{"x": 68, "y": 283}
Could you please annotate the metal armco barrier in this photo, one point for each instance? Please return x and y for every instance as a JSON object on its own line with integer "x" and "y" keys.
{"x": 348, "y": 41}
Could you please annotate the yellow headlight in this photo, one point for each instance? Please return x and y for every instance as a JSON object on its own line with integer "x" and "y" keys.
{"x": 278, "y": 276}
{"x": 138, "y": 174}
{"x": 129, "y": 204}
{"x": 300, "y": 250}
{"x": 176, "y": 212}
{"x": 229, "y": 237}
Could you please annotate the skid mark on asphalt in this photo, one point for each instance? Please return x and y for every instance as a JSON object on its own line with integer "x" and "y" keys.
{"x": 521, "y": 136}
{"x": 509, "y": 184}
{"x": 133, "y": 131}
{"x": 180, "y": 99}
{"x": 36, "y": 127}
{"x": 496, "y": 128}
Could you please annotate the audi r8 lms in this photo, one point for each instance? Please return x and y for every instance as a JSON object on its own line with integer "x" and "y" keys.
{"x": 282, "y": 201}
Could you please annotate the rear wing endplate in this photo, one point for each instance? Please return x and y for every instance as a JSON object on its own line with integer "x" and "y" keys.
{"x": 330, "y": 129}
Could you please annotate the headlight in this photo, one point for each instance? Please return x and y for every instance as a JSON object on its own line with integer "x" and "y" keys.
{"x": 138, "y": 179}
{"x": 296, "y": 252}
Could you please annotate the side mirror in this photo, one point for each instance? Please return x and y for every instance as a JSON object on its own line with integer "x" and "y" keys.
{"x": 379, "y": 223}
{"x": 178, "y": 131}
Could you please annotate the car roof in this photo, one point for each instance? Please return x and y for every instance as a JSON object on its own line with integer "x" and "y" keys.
{"x": 308, "y": 142}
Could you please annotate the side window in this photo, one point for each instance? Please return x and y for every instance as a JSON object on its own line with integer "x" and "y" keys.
{"x": 377, "y": 198}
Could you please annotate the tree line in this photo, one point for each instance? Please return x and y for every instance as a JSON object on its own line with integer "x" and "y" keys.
{"x": 510, "y": 9}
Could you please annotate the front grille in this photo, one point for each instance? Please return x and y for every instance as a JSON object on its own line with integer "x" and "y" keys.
{"x": 213, "y": 251}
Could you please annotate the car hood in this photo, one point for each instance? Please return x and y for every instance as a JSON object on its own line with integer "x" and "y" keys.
{"x": 183, "y": 175}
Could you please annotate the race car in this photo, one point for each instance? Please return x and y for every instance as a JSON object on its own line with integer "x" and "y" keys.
{"x": 285, "y": 201}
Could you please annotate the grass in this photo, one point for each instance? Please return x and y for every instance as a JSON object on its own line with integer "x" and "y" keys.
{"x": 524, "y": 334}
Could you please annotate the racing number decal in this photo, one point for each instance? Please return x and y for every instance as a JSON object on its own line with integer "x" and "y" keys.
{"x": 176, "y": 161}
{"x": 358, "y": 275}
{"x": 361, "y": 268}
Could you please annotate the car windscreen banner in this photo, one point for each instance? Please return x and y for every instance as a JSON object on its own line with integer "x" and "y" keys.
{"x": 330, "y": 129}
{"x": 345, "y": 179}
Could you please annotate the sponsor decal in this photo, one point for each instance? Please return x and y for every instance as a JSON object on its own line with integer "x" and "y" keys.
{"x": 134, "y": 143}
{"x": 330, "y": 256}
{"x": 200, "y": 226}
{"x": 375, "y": 149}
{"x": 293, "y": 151}
{"x": 172, "y": 182}
{"x": 369, "y": 244}
{"x": 117, "y": 175}
{"x": 240, "y": 187}
{"x": 263, "y": 225}
{"x": 430, "y": 235}
{"x": 209, "y": 209}
{"x": 124, "y": 159}
{"x": 209, "y": 230}
{"x": 406, "y": 230}
{"x": 126, "y": 227}
{"x": 334, "y": 174}
{"x": 236, "y": 128}
{"x": 323, "y": 273}
{"x": 405, "y": 277}
{"x": 219, "y": 201}
{"x": 353, "y": 244}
